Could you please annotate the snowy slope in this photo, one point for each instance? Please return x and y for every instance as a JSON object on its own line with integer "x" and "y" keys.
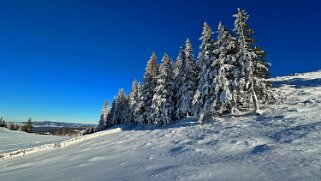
{"x": 14, "y": 140}
{"x": 284, "y": 143}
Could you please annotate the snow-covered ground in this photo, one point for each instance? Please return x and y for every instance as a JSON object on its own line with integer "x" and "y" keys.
{"x": 14, "y": 140}
{"x": 284, "y": 143}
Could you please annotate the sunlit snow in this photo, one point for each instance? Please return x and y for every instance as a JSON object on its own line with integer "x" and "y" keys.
{"x": 283, "y": 143}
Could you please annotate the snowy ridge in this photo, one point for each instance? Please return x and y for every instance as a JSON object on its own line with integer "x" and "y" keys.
{"x": 307, "y": 75}
{"x": 50, "y": 146}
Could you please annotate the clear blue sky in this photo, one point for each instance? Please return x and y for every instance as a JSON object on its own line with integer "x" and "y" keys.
{"x": 60, "y": 59}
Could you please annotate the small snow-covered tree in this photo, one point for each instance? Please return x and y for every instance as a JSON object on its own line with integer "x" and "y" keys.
{"x": 185, "y": 81}
{"x": 143, "y": 109}
{"x": 262, "y": 72}
{"x": 204, "y": 94}
{"x": 122, "y": 111}
{"x": 133, "y": 94}
{"x": 163, "y": 98}
{"x": 112, "y": 113}
{"x": 103, "y": 117}
{"x": 133, "y": 99}
{"x": 136, "y": 108}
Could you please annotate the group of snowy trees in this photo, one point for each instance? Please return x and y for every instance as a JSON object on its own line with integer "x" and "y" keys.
{"x": 229, "y": 76}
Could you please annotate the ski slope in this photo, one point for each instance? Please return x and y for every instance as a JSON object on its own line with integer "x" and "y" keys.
{"x": 284, "y": 143}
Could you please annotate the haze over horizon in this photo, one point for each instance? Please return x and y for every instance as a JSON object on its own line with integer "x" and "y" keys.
{"x": 60, "y": 60}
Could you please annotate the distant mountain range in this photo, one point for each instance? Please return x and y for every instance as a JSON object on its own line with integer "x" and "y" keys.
{"x": 58, "y": 124}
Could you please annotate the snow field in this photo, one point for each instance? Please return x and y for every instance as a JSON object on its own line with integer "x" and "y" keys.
{"x": 50, "y": 146}
{"x": 15, "y": 140}
{"x": 283, "y": 143}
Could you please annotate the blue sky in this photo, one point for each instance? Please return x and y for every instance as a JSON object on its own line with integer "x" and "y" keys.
{"x": 61, "y": 59}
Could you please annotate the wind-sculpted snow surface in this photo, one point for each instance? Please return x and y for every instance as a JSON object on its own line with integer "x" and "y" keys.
{"x": 284, "y": 143}
{"x": 50, "y": 146}
{"x": 15, "y": 140}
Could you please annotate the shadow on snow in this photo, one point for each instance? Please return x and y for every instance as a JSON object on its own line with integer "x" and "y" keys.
{"x": 290, "y": 134}
{"x": 180, "y": 123}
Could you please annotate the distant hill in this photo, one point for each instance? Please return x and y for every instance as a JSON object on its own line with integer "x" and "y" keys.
{"x": 55, "y": 124}
{"x": 58, "y": 124}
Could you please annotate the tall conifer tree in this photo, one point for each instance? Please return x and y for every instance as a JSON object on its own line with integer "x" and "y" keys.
{"x": 163, "y": 98}
{"x": 147, "y": 90}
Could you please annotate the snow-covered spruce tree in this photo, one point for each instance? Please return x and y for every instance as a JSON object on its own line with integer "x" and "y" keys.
{"x": 103, "y": 117}
{"x": 143, "y": 109}
{"x": 204, "y": 94}
{"x": 185, "y": 80}
{"x": 122, "y": 111}
{"x": 179, "y": 61}
{"x": 262, "y": 72}
{"x": 190, "y": 58}
{"x": 112, "y": 113}
{"x": 132, "y": 99}
{"x": 224, "y": 65}
{"x": 248, "y": 82}
{"x": 136, "y": 108}
{"x": 163, "y": 98}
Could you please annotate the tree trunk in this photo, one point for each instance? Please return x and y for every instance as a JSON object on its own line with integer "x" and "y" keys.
{"x": 255, "y": 102}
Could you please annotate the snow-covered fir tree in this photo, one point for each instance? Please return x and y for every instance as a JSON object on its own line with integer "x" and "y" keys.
{"x": 163, "y": 99}
{"x": 133, "y": 94}
{"x": 224, "y": 65}
{"x": 136, "y": 108}
{"x": 133, "y": 98}
{"x": 204, "y": 94}
{"x": 120, "y": 99}
{"x": 248, "y": 82}
{"x": 143, "y": 109}
{"x": 123, "y": 111}
{"x": 185, "y": 81}
{"x": 103, "y": 117}
{"x": 112, "y": 113}
{"x": 120, "y": 111}
{"x": 206, "y": 47}
{"x": 262, "y": 72}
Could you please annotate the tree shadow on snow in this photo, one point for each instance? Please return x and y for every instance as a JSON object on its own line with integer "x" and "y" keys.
{"x": 180, "y": 123}
{"x": 298, "y": 83}
{"x": 290, "y": 134}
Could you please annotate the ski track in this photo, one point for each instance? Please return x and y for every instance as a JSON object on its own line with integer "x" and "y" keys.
{"x": 284, "y": 143}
